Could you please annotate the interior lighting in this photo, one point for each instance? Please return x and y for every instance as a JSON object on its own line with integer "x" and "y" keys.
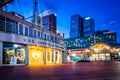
{"x": 73, "y": 54}
{"x": 15, "y": 45}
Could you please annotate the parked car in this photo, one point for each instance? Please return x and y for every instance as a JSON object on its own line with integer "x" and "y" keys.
{"x": 84, "y": 60}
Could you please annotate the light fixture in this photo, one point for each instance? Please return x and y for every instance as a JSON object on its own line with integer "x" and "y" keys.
{"x": 15, "y": 45}
{"x": 73, "y": 54}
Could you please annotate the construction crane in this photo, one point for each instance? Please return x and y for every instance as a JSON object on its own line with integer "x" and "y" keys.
{"x": 5, "y": 2}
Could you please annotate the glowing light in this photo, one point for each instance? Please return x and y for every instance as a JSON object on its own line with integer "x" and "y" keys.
{"x": 68, "y": 58}
{"x": 57, "y": 31}
{"x": 15, "y": 45}
{"x": 36, "y": 55}
{"x": 73, "y": 54}
{"x": 87, "y": 18}
{"x": 117, "y": 49}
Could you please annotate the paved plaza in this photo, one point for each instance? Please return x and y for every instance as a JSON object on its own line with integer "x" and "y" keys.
{"x": 101, "y": 70}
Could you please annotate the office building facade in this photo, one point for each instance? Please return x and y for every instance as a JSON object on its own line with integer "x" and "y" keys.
{"x": 81, "y": 26}
{"x": 47, "y": 20}
{"x": 76, "y": 26}
{"x": 22, "y": 43}
{"x": 102, "y": 42}
{"x": 88, "y": 26}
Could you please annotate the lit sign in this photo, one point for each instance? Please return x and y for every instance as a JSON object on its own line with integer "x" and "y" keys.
{"x": 100, "y": 47}
{"x": 40, "y": 42}
{"x": 87, "y": 18}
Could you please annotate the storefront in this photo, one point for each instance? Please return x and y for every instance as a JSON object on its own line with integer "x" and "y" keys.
{"x": 98, "y": 51}
{"x": 101, "y": 52}
{"x": 41, "y": 55}
{"x": 36, "y": 55}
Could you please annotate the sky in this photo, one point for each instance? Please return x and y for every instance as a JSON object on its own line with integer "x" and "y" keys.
{"x": 106, "y": 13}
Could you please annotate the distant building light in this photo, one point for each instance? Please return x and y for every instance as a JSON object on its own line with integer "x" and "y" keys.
{"x": 15, "y": 45}
{"x": 73, "y": 54}
{"x": 87, "y": 18}
{"x": 57, "y": 31}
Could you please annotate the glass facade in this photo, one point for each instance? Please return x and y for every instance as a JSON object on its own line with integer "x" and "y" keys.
{"x": 86, "y": 42}
{"x": 14, "y": 54}
{"x": 75, "y": 26}
{"x": 88, "y": 29}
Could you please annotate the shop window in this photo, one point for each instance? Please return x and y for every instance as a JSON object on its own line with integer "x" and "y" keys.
{"x": 48, "y": 57}
{"x": 13, "y": 54}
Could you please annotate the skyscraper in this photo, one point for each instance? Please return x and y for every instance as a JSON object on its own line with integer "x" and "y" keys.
{"x": 47, "y": 20}
{"x": 76, "y": 26}
{"x": 88, "y": 26}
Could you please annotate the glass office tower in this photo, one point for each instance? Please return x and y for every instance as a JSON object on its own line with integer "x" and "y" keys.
{"x": 76, "y": 26}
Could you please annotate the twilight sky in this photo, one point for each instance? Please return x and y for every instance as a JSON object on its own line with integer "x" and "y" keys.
{"x": 106, "y": 13}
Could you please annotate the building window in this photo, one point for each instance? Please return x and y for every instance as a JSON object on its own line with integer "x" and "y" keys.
{"x": 20, "y": 29}
{"x": 2, "y": 23}
{"x": 47, "y": 37}
{"x": 35, "y": 33}
{"x": 44, "y": 36}
{"x": 26, "y": 30}
{"x": 10, "y": 25}
{"x": 16, "y": 27}
{"x": 38, "y": 34}
{"x": 30, "y": 32}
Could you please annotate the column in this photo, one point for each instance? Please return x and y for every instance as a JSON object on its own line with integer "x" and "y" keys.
{"x": 58, "y": 57}
{"x": 1, "y": 52}
{"x": 27, "y": 55}
{"x": 98, "y": 55}
{"x": 50, "y": 56}
{"x": 54, "y": 55}
{"x": 63, "y": 57}
{"x": 44, "y": 55}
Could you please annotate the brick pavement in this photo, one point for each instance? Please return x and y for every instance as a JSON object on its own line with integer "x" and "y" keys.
{"x": 101, "y": 70}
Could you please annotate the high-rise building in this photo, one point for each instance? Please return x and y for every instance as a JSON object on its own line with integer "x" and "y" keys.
{"x": 81, "y": 27}
{"x": 76, "y": 26}
{"x": 88, "y": 26}
{"x": 47, "y": 19}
